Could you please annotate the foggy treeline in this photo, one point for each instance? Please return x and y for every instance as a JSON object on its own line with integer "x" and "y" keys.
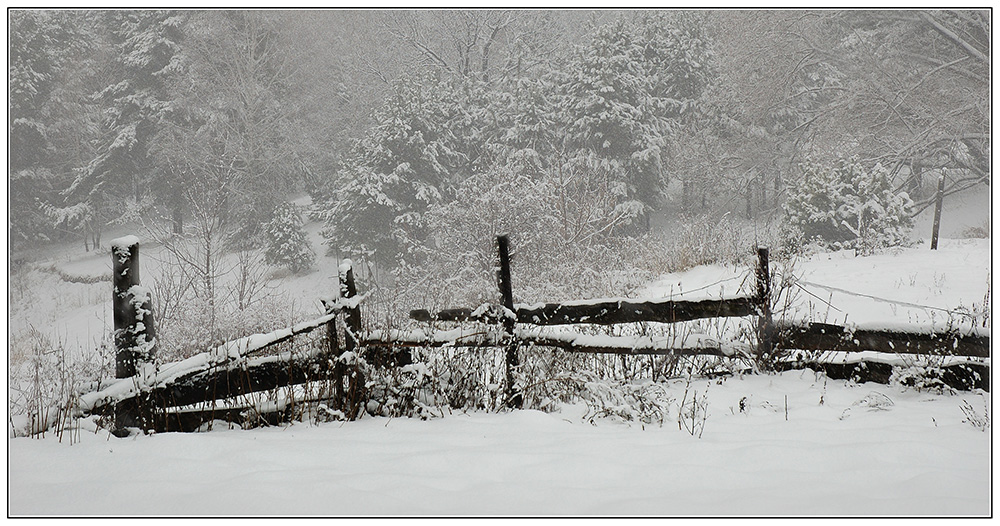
{"x": 409, "y": 130}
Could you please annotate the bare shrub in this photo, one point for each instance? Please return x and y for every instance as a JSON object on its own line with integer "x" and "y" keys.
{"x": 692, "y": 410}
{"x": 45, "y": 380}
{"x": 978, "y": 232}
{"x": 974, "y": 418}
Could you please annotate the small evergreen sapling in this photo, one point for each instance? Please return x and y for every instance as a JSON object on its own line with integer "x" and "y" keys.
{"x": 287, "y": 244}
{"x": 847, "y": 205}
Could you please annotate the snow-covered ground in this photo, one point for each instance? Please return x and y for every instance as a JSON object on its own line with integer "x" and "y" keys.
{"x": 843, "y": 449}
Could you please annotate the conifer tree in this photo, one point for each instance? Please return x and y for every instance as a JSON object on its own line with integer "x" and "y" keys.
{"x": 286, "y": 241}
{"x": 846, "y": 205}
{"x": 407, "y": 161}
{"x": 624, "y": 92}
{"x": 146, "y": 47}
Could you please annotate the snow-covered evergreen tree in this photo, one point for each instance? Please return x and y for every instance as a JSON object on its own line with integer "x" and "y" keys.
{"x": 847, "y": 205}
{"x": 287, "y": 244}
{"x": 527, "y": 127}
{"x": 603, "y": 117}
{"x": 146, "y": 55}
{"x": 42, "y": 46}
{"x": 408, "y": 160}
{"x": 623, "y": 93}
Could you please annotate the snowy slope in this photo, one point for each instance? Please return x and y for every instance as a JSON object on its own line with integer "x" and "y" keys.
{"x": 906, "y": 287}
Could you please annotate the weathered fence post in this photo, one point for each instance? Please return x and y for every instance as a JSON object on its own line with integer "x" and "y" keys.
{"x": 135, "y": 331}
{"x": 351, "y": 400}
{"x": 333, "y": 345}
{"x": 765, "y": 322}
{"x": 939, "y": 200}
{"x": 348, "y": 289}
{"x": 514, "y": 397}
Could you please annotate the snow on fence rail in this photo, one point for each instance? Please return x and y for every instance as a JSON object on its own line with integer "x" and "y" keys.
{"x": 164, "y": 398}
{"x": 234, "y": 368}
{"x": 604, "y": 311}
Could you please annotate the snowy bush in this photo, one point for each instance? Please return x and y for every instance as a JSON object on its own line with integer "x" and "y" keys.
{"x": 692, "y": 411}
{"x": 194, "y": 313}
{"x": 978, "y": 232}
{"x": 873, "y": 402}
{"x": 445, "y": 380}
{"x": 645, "y": 402}
{"x": 414, "y": 390}
{"x": 560, "y": 233}
{"x": 847, "y": 205}
{"x": 287, "y": 243}
{"x": 726, "y": 240}
{"x": 438, "y": 382}
{"x": 921, "y": 375}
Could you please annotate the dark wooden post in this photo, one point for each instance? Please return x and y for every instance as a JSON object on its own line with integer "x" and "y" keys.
{"x": 333, "y": 345}
{"x": 135, "y": 331}
{"x": 765, "y": 322}
{"x": 937, "y": 213}
{"x": 348, "y": 289}
{"x": 351, "y": 401}
{"x": 514, "y": 397}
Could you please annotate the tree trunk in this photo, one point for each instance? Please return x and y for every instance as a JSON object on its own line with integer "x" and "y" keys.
{"x": 763, "y": 194}
{"x": 685, "y": 196}
{"x": 178, "y": 219}
{"x": 916, "y": 182}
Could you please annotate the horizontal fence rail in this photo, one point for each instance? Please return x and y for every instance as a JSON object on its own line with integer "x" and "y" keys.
{"x": 256, "y": 375}
{"x": 604, "y": 312}
{"x": 825, "y": 337}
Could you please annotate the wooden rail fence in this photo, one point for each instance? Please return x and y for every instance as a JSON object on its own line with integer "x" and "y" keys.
{"x": 164, "y": 398}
